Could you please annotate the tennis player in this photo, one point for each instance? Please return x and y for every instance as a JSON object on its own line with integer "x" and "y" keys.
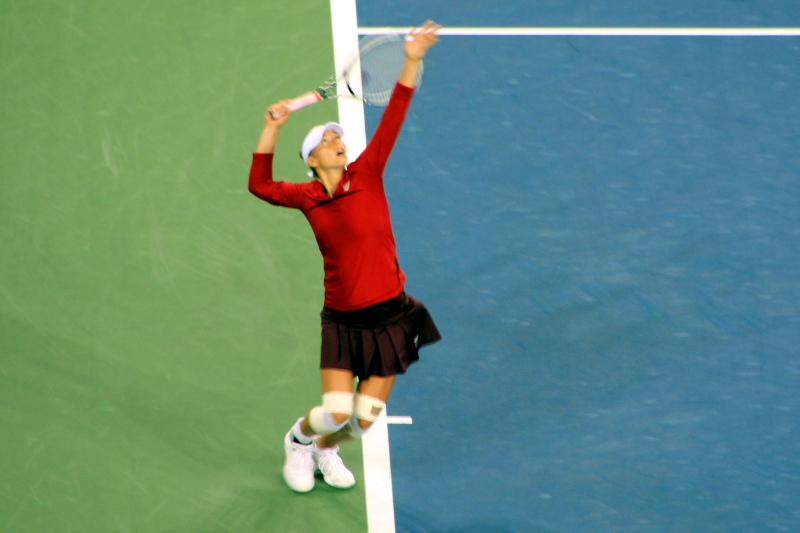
{"x": 371, "y": 329}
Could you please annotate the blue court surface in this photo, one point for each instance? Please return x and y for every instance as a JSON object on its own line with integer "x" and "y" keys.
{"x": 607, "y": 231}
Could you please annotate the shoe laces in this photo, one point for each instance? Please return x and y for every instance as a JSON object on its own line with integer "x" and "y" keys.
{"x": 330, "y": 462}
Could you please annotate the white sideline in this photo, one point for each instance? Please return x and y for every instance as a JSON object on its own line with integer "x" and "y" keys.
{"x": 377, "y": 464}
{"x": 378, "y": 477}
{"x": 603, "y": 32}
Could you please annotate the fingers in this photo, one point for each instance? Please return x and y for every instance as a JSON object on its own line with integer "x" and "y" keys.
{"x": 426, "y": 32}
{"x": 419, "y": 40}
{"x": 279, "y": 113}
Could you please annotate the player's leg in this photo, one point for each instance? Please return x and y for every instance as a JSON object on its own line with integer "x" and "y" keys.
{"x": 370, "y": 400}
{"x": 330, "y": 417}
{"x": 337, "y": 390}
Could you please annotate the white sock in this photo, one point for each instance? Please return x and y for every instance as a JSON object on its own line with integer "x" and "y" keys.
{"x": 298, "y": 435}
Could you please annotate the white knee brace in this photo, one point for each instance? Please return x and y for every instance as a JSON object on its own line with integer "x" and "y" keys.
{"x": 366, "y": 408}
{"x": 321, "y": 417}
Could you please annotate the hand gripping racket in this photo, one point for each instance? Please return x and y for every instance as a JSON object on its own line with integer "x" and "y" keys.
{"x": 369, "y": 75}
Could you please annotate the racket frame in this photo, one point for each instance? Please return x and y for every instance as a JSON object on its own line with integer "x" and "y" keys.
{"x": 332, "y": 88}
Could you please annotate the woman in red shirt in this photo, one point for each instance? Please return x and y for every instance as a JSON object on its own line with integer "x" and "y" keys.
{"x": 371, "y": 329}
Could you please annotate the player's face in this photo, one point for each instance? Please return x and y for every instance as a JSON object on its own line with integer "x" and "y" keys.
{"x": 331, "y": 152}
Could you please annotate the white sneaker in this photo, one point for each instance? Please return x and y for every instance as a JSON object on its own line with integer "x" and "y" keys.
{"x": 332, "y": 467}
{"x": 298, "y": 470}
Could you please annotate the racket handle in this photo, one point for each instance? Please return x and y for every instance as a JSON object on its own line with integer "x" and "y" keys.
{"x": 305, "y": 100}
{"x": 300, "y": 102}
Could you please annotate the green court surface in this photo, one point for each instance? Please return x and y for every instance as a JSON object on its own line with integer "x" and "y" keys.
{"x": 159, "y": 325}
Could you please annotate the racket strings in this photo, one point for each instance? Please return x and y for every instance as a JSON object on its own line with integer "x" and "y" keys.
{"x": 381, "y": 61}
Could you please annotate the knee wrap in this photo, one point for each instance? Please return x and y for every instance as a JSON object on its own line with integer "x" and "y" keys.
{"x": 366, "y": 408}
{"x": 321, "y": 417}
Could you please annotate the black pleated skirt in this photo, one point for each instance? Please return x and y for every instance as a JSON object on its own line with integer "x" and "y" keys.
{"x": 380, "y": 340}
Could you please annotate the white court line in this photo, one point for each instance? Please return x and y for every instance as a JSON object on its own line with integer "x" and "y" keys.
{"x": 607, "y": 32}
{"x": 378, "y": 477}
{"x": 378, "y": 474}
{"x": 345, "y": 40}
{"x": 375, "y": 443}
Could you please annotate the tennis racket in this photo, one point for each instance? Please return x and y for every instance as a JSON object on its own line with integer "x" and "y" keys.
{"x": 369, "y": 75}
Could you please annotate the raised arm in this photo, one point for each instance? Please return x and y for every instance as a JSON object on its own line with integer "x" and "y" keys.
{"x": 262, "y": 183}
{"x": 418, "y": 42}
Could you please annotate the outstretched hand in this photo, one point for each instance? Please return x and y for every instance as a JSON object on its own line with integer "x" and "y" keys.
{"x": 420, "y": 40}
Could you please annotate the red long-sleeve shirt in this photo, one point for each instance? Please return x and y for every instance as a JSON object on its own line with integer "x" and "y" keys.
{"x": 354, "y": 227}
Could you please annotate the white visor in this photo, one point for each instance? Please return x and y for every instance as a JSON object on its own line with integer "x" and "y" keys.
{"x": 314, "y": 138}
